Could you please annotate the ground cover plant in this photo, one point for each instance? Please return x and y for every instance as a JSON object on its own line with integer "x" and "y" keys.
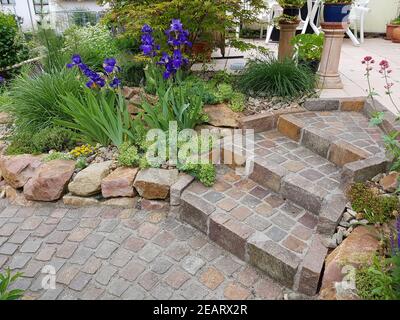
{"x": 376, "y": 208}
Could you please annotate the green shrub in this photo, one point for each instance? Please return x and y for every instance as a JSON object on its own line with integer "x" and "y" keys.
{"x": 52, "y": 138}
{"x": 380, "y": 280}
{"x": 6, "y": 280}
{"x": 308, "y": 46}
{"x": 92, "y": 43}
{"x": 128, "y": 155}
{"x": 376, "y": 208}
{"x": 274, "y": 78}
{"x": 34, "y": 101}
{"x": 57, "y": 156}
{"x": 12, "y": 49}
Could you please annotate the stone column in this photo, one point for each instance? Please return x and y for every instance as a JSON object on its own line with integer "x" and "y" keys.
{"x": 328, "y": 73}
{"x": 287, "y": 32}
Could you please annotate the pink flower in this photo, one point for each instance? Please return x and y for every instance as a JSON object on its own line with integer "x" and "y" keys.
{"x": 384, "y": 64}
{"x": 367, "y": 58}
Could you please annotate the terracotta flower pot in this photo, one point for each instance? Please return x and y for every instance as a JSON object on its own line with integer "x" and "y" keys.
{"x": 389, "y": 30}
{"x": 202, "y": 51}
{"x": 396, "y": 35}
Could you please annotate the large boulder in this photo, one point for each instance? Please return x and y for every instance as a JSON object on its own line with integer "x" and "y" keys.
{"x": 88, "y": 181}
{"x": 155, "y": 183}
{"x": 17, "y": 170}
{"x": 119, "y": 183}
{"x": 49, "y": 181}
{"x": 356, "y": 250}
{"x": 221, "y": 115}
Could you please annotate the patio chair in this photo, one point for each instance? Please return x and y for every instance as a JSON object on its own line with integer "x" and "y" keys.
{"x": 357, "y": 17}
{"x": 275, "y": 11}
{"x": 263, "y": 18}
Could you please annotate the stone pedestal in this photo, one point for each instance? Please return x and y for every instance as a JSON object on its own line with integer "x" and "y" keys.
{"x": 287, "y": 32}
{"x": 328, "y": 73}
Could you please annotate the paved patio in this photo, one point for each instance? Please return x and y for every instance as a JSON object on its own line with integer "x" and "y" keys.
{"x": 108, "y": 253}
{"x": 352, "y": 70}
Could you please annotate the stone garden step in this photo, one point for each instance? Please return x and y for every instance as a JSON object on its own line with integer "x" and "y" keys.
{"x": 293, "y": 195}
{"x": 291, "y": 170}
{"x": 341, "y": 137}
{"x": 258, "y": 226}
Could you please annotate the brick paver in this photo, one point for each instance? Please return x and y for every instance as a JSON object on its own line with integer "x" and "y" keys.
{"x": 160, "y": 258}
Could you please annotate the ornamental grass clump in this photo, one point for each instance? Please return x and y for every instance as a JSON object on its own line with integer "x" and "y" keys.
{"x": 274, "y": 78}
{"x": 33, "y": 100}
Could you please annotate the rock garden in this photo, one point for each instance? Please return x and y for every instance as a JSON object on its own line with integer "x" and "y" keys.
{"x": 107, "y": 118}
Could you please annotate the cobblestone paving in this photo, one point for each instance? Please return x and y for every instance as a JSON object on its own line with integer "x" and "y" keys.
{"x": 256, "y": 209}
{"x": 351, "y": 127}
{"x": 107, "y": 253}
{"x": 297, "y": 160}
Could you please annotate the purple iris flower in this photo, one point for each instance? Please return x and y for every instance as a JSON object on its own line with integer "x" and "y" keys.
{"x": 109, "y": 65}
{"x": 147, "y": 29}
{"x": 176, "y": 25}
{"x": 2, "y": 79}
{"x": 177, "y": 38}
{"x": 115, "y": 83}
{"x": 148, "y": 47}
{"x": 75, "y": 61}
{"x": 176, "y": 35}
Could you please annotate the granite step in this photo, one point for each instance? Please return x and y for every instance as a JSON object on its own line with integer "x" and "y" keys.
{"x": 289, "y": 169}
{"x": 340, "y": 137}
{"x": 259, "y": 226}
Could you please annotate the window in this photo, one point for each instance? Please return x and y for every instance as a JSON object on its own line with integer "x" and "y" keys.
{"x": 41, "y": 6}
{"x": 7, "y": 1}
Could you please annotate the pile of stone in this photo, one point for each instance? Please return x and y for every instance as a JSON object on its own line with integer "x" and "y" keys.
{"x": 350, "y": 220}
{"x": 256, "y": 105}
{"x": 26, "y": 178}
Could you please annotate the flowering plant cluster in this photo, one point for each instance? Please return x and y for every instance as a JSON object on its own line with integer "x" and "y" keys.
{"x": 385, "y": 70}
{"x": 177, "y": 39}
{"x": 82, "y": 151}
{"x": 95, "y": 79}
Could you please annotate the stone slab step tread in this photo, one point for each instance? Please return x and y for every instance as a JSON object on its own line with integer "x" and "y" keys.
{"x": 292, "y": 170}
{"x": 341, "y": 137}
